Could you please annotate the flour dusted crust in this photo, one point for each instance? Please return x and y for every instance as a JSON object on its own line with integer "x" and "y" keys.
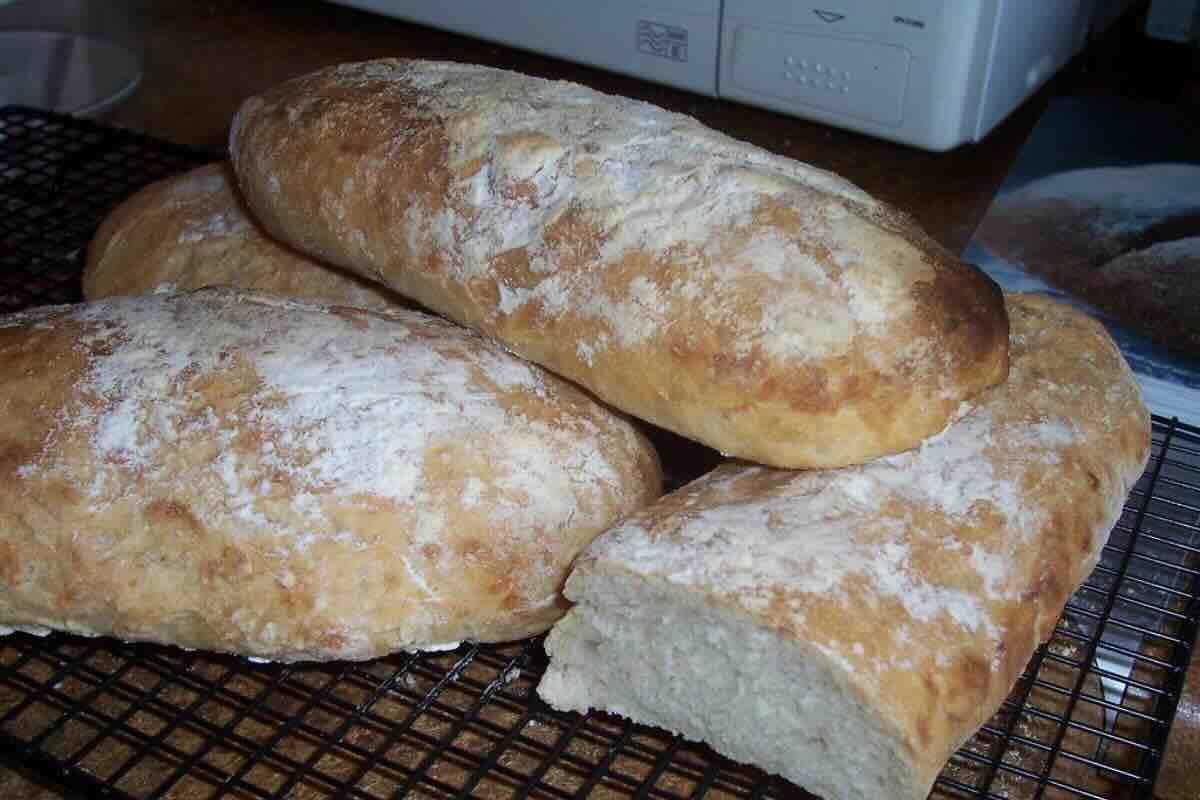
{"x": 235, "y": 471}
{"x": 918, "y": 585}
{"x": 1156, "y": 289}
{"x": 192, "y": 230}
{"x": 1124, "y": 239}
{"x": 759, "y": 305}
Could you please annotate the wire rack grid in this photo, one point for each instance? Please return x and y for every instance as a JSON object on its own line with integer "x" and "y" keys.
{"x": 99, "y": 718}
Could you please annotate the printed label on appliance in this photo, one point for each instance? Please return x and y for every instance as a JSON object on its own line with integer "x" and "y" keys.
{"x": 664, "y": 41}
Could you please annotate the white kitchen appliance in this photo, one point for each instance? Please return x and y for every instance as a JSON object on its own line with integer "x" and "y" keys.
{"x": 929, "y": 73}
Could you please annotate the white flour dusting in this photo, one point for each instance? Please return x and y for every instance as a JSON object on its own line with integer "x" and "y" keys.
{"x": 647, "y": 181}
{"x": 219, "y": 224}
{"x": 1123, "y": 200}
{"x": 335, "y": 409}
{"x": 812, "y": 533}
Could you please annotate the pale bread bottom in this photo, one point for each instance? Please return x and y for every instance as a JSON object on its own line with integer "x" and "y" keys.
{"x": 669, "y": 658}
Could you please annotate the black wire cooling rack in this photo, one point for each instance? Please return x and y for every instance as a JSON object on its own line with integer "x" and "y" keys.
{"x": 98, "y": 718}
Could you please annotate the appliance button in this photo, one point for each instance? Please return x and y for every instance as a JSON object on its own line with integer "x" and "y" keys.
{"x": 841, "y": 16}
{"x": 881, "y": 73}
{"x": 867, "y": 17}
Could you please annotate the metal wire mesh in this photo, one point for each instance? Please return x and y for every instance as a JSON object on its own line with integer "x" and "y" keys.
{"x": 98, "y": 718}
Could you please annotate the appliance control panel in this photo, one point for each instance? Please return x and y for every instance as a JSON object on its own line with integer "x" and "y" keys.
{"x": 851, "y": 58}
{"x": 930, "y": 73}
{"x": 851, "y": 76}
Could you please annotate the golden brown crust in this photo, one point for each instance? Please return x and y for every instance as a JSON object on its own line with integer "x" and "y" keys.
{"x": 761, "y": 306}
{"x": 233, "y": 471}
{"x": 192, "y": 230}
{"x": 926, "y": 580}
{"x": 1155, "y": 290}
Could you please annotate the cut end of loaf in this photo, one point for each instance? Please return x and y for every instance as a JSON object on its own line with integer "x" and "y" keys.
{"x": 635, "y": 647}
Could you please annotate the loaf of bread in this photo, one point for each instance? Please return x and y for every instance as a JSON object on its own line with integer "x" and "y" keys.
{"x": 761, "y": 306}
{"x": 192, "y": 230}
{"x": 240, "y": 472}
{"x": 848, "y": 629}
{"x": 1155, "y": 290}
{"x": 1124, "y": 239}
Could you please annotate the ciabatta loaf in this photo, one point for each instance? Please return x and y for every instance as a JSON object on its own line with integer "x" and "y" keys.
{"x": 848, "y": 629}
{"x": 761, "y": 306}
{"x": 1125, "y": 239}
{"x": 192, "y": 230}
{"x": 240, "y": 472}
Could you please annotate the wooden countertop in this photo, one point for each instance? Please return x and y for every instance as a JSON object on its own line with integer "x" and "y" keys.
{"x": 202, "y": 58}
